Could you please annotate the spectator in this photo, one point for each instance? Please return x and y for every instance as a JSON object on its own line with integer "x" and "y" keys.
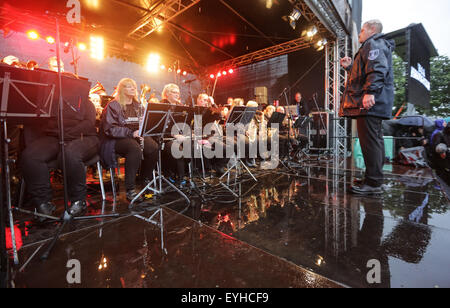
{"x": 440, "y": 125}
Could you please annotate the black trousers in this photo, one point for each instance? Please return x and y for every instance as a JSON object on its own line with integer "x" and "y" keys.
{"x": 370, "y": 134}
{"x": 131, "y": 150}
{"x": 38, "y": 154}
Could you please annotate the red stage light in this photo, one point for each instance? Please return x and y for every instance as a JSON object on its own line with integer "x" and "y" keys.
{"x": 219, "y": 75}
{"x": 178, "y": 71}
{"x": 224, "y": 73}
{"x": 50, "y": 40}
{"x": 32, "y": 35}
{"x": 184, "y": 73}
{"x": 231, "y": 71}
{"x": 212, "y": 76}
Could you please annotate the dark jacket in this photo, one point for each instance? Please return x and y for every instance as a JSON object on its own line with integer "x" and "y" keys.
{"x": 113, "y": 126}
{"x": 371, "y": 73}
{"x": 78, "y": 121}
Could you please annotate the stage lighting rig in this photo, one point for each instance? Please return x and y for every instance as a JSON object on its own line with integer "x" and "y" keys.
{"x": 320, "y": 45}
{"x": 293, "y": 18}
{"x": 310, "y": 33}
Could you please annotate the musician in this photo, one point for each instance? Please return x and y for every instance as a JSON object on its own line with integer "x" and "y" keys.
{"x": 97, "y": 102}
{"x": 11, "y": 60}
{"x": 286, "y": 135}
{"x": 203, "y": 100}
{"x": 171, "y": 94}
{"x": 53, "y": 64}
{"x": 81, "y": 144}
{"x": 302, "y": 105}
{"x": 119, "y": 135}
{"x": 238, "y": 102}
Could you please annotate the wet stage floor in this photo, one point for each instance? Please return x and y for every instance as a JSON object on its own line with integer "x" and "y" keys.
{"x": 290, "y": 229}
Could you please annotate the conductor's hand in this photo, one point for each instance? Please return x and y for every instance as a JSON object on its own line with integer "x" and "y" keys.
{"x": 368, "y": 101}
{"x": 136, "y": 135}
{"x": 346, "y": 62}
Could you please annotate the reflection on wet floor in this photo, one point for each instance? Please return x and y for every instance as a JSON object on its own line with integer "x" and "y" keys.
{"x": 283, "y": 229}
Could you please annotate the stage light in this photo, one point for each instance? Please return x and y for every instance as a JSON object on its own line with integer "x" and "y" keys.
{"x": 93, "y": 4}
{"x": 178, "y": 71}
{"x": 212, "y": 76}
{"x": 219, "y": 75}
{"x": 311, "y": 32}
{"x": 231, "y": 71}
{"x": 153, "y": 63}
{"x": 82, "y": 46}
{"x": 50, "y": 40}
{"x": 32, "y": 35}
{"x": 163, "y": 67}
{"x": 184, "y": 73}
{"x": 97, "y": 47}
{"x": 269, "y": 4}
{"x": 321, "y": 44}
{"x": 293, "y": 18}
{"x": 224, "y": 73}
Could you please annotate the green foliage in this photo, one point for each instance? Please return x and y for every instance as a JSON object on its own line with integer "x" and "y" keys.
{"x": 440, "y": 86}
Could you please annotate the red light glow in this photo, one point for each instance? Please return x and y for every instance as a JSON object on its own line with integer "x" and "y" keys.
{"x": 231, "y": 71}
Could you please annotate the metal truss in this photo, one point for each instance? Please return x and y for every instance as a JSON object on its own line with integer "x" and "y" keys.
{"x": 267, "y": 53}
{"x": 335, "y": 79}
{"x": 160, "y": 13}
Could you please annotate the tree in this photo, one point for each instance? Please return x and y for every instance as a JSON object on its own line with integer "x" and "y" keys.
{"x": 440, "y": 86}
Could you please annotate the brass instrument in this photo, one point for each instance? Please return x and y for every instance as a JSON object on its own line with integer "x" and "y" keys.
{"x": 144, "y": 90}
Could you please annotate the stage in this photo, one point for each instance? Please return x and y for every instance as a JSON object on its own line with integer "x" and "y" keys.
{"x": 292, "y": 229}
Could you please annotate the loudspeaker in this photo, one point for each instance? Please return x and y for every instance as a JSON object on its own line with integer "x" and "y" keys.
{"x": 321, "y": 130}
{"x": 261, "y": 95}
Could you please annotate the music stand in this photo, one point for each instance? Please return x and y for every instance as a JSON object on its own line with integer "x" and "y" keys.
{"x": 158, "y": 122}
{"x": 208, "y": 115}
{"x": 32, "y": 94}
{"x": 278, "y": 118}
{"x": 239, "y": 115}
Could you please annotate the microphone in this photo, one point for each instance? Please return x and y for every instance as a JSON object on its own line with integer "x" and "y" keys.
{"x": 189, "y": 81}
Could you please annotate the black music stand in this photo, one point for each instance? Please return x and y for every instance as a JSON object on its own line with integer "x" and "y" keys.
{"x": 278, "y": 118}
{"x": 208, "y": 115}
{"x": 158, "y": 122}
{"x": 239, "y": 115}
{"x": 33, "y": 98}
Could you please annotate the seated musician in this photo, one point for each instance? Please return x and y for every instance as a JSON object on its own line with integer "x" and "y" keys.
{"x": 203, "y": 100}
{"x": 286, "y": 135}
{"x": 251, "y": 137}
{"x": 97, "y": 102}
{"x": 171, "y": 95}
{"x": 119, "y": 135}
{"x": 53, "y": 64}
{"x": 81, "y": 144}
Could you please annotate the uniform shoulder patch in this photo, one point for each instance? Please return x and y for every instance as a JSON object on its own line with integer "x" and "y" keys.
{"x": 373, "y": 54}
